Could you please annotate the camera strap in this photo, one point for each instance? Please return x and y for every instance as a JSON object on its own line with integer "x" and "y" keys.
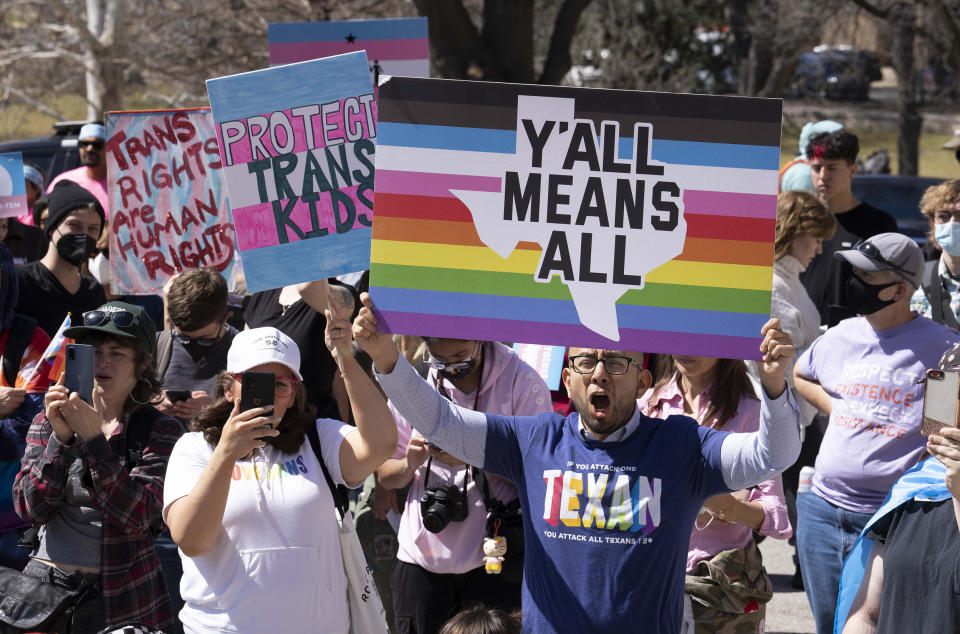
{"x": 426, "y": 477}
{"x": 490, "y": 502}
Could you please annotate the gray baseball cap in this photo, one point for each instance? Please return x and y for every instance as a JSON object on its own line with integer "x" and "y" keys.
{"x": 887, "y": 252}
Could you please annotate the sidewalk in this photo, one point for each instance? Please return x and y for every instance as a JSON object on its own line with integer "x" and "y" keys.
{"x": 788, "y": 611}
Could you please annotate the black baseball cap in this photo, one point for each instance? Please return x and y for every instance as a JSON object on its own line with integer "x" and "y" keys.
{"x": 118, "y": 319}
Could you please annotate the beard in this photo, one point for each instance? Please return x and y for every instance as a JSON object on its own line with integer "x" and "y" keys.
{"x": 618, "y": 415}
{"x": 90, "y": 159}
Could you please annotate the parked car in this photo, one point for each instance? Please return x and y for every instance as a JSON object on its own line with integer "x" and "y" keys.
{"x": 899, "y": 196}
{"x": 834, "y": 72}
{"x": 53, "y": 154}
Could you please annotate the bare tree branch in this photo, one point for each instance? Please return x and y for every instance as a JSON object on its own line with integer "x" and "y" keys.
{"x": 76, "y": 23}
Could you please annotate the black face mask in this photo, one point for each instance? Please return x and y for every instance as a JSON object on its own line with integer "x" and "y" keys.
{"x": 76, "y": 247}
{"x": 865, "y": 298}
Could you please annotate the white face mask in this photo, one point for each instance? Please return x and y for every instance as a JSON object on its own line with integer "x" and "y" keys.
{"x": 948, "y": 237}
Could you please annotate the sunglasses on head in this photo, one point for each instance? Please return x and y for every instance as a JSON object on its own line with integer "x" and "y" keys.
{"x": 120, "y": 318}
{"x": 870, "y": 250}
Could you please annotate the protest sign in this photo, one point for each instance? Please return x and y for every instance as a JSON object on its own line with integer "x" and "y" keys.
{"x": 583, "y": 217}
{"x": 546, "y": 360}
{"x": 297, "y": 143}
{"x": 168, "y": 200}
{"x": 13, "y": 187}
{"x": 394, "y": 46}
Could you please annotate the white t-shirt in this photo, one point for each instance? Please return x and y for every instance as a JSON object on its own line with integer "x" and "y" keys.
{"x": 276, "y": 565}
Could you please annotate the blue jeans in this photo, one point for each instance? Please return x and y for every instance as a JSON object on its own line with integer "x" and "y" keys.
{"x": 825, "y": 534}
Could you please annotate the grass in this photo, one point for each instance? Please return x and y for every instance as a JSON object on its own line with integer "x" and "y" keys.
{"x": 934, "y": 160}
{"x": 23, "y": 122}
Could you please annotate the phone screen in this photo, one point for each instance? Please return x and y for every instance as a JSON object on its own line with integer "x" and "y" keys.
{"x": 177, "y": 395}
{"x": 78, "y": 370}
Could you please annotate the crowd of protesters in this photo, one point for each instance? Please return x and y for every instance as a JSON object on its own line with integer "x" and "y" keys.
{"x": 632, "y": 498}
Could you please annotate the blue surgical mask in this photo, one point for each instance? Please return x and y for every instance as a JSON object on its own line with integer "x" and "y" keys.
{"x": 948, "y": 237}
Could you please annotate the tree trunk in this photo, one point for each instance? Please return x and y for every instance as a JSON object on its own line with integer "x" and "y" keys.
{"x": 903, "y": 21}
{"x": 739, "y": 19}
{"x": 103, "y": 76}
{"x": 456, "y": 49}
{"x": 558, "y": 58}
{"x": 508, "y": 34}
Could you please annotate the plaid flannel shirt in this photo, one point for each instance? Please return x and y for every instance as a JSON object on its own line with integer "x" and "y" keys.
{"x": 129, "y": 500}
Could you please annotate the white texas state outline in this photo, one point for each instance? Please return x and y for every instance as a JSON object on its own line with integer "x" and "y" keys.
{"x": 646, "y": 247}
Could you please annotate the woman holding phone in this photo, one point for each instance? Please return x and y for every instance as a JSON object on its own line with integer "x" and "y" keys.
{"x": 246, "y": 499}
{"x": 92, "y": 478}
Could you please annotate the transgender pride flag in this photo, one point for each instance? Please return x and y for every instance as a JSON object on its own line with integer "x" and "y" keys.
{"x": 394, "y": 46}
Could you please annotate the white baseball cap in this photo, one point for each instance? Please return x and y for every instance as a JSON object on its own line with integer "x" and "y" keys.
{"x": 259, "y": 346}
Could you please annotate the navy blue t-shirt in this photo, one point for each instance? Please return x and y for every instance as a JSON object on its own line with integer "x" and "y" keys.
{"x": 607, "y": 525}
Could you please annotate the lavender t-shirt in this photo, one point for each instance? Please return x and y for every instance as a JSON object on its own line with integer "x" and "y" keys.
{"x": 876, "y": 402}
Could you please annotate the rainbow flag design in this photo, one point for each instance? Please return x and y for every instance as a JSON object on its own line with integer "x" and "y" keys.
{"x": 581, "y": 217}
{"x": 394, "y": 46}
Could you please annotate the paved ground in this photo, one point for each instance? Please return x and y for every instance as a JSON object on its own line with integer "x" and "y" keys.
{"x": 788, "y": 611}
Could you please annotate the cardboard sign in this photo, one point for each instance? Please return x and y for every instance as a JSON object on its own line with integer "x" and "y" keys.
{"x": 580, "y": 217}
{"x": 298, "y": 143}
{"x": 394, "y": 46}
{"x": 13, "y": 188}
{"x": 546, "y": 360}
{"x": 170, "y": 209}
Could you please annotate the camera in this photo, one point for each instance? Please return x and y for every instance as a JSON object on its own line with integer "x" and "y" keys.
{"x": 441, "y": 505}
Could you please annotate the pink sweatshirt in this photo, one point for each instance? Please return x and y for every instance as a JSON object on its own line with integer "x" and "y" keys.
{"x": 719, "y": 536}
{"x": 95, "y": 187}
{"x": 507, "y": 386}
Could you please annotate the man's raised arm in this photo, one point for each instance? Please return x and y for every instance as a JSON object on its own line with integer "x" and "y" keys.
{"x": 747, "y": 459}
{"x": 457, "y": 430}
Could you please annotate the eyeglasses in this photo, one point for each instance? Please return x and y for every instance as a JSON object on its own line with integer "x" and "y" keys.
{"x": 121, "y": 318}
{"x": 200, "y": 341}
{"x": 96, "y": 144}
{"x": 586, "y": 364}
{"x": 870, "y": 250}
{"x": 944, "y": 216}
{"x": 454, "y": 365}
{"x": 284, "y": 385}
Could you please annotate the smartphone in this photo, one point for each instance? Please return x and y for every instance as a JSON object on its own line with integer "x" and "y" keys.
{"x": 256, "y": 390}
{"x": 78, "y": 371}
{"x": 175, "y": 396}
{"x": 941, "y": 401}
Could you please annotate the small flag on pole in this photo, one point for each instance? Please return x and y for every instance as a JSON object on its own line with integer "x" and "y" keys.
{"x": 56, "y": 352}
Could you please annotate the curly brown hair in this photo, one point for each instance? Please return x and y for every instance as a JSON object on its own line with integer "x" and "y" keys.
{"x": 799, "y": 213}
{"x": 292, "y": 428}
{"x": 146, "y": 391}
{"x": 935, "y": 199}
